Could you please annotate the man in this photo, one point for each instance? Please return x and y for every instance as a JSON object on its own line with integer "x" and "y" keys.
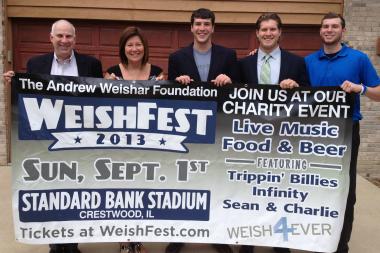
{"x": 336, "y": 64}
{"x": 63, "y": 61}
{"x": 202, "y": 60}
{"x": 271, "y": 64}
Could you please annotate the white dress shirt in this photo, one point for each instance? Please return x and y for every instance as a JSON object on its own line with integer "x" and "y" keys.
{"x": 275, "y": 64}
{"x": 66, "y": 67}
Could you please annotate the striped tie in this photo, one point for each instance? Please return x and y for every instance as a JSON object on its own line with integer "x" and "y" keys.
{"x": 265, "y": 71}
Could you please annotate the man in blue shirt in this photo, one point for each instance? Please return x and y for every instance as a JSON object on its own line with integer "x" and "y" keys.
{"x": 335, "y": 64}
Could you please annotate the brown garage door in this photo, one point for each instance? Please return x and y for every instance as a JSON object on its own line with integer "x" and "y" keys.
{"x": 100, "y": 39}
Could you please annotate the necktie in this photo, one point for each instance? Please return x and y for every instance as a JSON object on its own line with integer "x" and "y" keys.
{"x": 265, "y": 71}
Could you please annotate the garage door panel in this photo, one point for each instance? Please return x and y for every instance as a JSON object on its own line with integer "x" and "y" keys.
{"x": 232, "y": 39}
{"x": 85, "y": 37}
{"x": 38, "y": 34}
{"x": 184, "y": 38}
{"x": 23, "y": 57}
{"x": 160, "y": 38}
{"x": 300, "y": 41}
{"x": 109, "y": 36}
{"x": 108, "y": 61}
{"x": 161, "y": 62}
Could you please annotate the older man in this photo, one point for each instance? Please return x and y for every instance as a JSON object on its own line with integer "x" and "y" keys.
{"x": 67, "y": 62}
{"x": 64, "y": 60}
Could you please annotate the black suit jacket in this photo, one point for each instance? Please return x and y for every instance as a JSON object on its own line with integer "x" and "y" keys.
{"x": 223, "y": 61}
{"x": 87, "y": 65}
{"x": 292, "y": 66}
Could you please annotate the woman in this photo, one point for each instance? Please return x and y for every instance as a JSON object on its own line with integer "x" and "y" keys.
{"x": 134, "y": 65}
{"x": 134, "y": 55}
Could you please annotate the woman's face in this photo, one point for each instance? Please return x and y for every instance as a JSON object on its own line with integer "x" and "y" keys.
{"x": 134, "y": 49}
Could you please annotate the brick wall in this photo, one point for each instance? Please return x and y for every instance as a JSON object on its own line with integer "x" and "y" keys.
{"x": 3, "y": 145}
{"x": 363, "y": 29}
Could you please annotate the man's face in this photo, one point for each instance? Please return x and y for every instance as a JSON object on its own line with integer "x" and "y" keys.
{"x": 202, "y": 30}
{"x": 268, "y": 35}
{"x": 331, "y": 31}
{"x": 63, "y": 40}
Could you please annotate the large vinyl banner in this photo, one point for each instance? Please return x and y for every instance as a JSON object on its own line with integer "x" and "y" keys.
{"x": 96, "y": 160}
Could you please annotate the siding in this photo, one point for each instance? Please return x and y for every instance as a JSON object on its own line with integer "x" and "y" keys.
{"x": 237, "y": 12}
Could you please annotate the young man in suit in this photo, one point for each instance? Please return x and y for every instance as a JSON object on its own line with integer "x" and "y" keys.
{"x": 202, "y": 60}
{"x": 63, "y": 61}
{"x": 271, "y": 64}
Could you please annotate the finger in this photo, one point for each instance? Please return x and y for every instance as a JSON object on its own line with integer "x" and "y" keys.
{"x": 185, "y": 80}
{"x": 180, "y": 80}
{"x": 283, "y": 84}
{"x": 215, "y": 82}
{"x": 113, "y": 76}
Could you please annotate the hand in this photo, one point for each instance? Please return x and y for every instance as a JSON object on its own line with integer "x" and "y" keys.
{"x": 160, "y": 77}
{"x": 221, "y": 80}
{"x": 253, "y": 52}
{"x": 111, "y": 76}
{"x": 8, "y": 76}
{"x": 288, "y": 84}
{"x": 185, "y": 79}
{"x": 349, "y": 87}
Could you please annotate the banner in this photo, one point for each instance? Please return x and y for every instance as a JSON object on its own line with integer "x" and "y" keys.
{"x": 98, "y": 160}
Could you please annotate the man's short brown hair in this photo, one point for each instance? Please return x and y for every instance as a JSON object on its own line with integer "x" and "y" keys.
{"x": 269, "y": 16}
{"x": 331, "y": 15}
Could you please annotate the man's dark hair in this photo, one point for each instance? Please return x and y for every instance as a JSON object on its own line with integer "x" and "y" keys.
{"x": 204, "y": 14}
{"x": 331, "y": 15}
{"x": 269, "y": 16}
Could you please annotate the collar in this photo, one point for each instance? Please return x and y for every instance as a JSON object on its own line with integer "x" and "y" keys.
{"x": 342, "y": 52}
{"x": 202, "y": 53}
{"x": 275, "y": 54}
{"x": 66, "y": 61}
{"x": 193, "y": 48}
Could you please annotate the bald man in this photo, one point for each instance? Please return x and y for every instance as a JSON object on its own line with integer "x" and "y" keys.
{"x": 64, "y": 61}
